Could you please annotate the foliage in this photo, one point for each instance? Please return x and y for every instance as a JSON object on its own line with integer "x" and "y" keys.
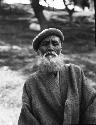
{"x": 81, "y": 3}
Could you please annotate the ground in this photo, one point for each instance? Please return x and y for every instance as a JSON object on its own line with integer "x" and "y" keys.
{"x": 17, "y": 56}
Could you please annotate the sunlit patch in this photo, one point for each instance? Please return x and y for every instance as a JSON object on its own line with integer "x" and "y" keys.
{"x": 35, "y": 27}
{"x": 9, "y": 116}
{"x": 17, "y": 1}
{"x": 11, "y": 83}
{"x": 7, "y": 76}
{"x": 58, "y": 4}
{"x": 53, "y": 3}
{"x": 8, "y": 48}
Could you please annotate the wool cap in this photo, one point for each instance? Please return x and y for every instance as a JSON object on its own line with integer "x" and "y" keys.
{"x": 45, "y": 33}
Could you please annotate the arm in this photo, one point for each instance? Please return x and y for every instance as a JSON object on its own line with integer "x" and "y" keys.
{"x": 88, "y": 102}
{"x": 26, "y": 116}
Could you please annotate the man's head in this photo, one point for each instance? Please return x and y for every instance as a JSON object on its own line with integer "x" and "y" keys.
{"x": 48, "y": 45}
{"x": 44, "y": 34}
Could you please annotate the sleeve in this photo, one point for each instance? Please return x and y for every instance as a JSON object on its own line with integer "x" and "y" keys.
{"x": 26, "y": 116}
{"x": 88, "y": 101}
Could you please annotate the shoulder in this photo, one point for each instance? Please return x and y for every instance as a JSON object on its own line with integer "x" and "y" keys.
{"x": 75, "y": 72}
{"x": 73, "y": 67}
{"x": 32, "y": 78}
{"x": 30, "y": 83}
{"x": 68, "y": 65}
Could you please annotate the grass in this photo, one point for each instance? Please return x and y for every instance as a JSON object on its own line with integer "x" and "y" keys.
{"x": 17, "y": 55}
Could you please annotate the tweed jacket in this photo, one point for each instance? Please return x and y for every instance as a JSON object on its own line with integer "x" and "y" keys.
{"x": 64, "y": 100}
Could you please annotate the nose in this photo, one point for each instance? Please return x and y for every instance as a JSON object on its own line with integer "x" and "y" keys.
{"x": 50, "y": 46}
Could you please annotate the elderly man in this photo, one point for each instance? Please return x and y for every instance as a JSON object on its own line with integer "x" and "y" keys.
{"x": 58, "y": 93}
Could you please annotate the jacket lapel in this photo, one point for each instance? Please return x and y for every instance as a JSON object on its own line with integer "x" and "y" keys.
{"x": 71, "y": 109}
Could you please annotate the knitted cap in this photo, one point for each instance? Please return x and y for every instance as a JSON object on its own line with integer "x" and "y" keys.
{"x": 45, "y": 33}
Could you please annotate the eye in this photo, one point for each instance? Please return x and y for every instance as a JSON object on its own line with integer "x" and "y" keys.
{"x": 55, "y": 43}
{"x": 44, "y": 43}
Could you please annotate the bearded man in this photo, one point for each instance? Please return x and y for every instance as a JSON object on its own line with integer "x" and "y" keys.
{"x": 58, "y": 93}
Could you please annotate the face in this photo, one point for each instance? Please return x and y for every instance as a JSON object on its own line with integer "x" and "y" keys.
{"x": 50, "y": 46}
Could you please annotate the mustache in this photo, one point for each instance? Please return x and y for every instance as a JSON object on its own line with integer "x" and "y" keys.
{"x": 50, "y": 53}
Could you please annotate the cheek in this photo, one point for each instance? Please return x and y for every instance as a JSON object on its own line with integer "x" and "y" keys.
{"x": 58, "y": 50}
{"x": 42, "y": 50}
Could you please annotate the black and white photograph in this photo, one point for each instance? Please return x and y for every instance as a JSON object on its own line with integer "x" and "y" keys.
{"x": 47, "y": 62}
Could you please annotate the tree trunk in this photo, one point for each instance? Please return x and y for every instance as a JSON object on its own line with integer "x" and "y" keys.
{"x": 38, "y": 10}
{"x": 70, "y": 11}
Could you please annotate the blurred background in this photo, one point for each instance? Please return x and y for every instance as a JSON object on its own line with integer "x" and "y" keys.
{"x": 20, "y": 22}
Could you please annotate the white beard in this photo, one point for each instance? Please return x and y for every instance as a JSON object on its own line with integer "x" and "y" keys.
{"x": 52, "y": 64}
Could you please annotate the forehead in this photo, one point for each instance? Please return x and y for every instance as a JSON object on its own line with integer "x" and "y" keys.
{"x": 52, "y": 37}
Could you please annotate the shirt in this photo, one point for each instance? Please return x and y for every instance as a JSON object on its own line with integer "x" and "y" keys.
{"x": 47, "y": 100}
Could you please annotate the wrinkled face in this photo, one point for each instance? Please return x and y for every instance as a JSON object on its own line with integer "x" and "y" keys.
{"x": 50, "y": 46}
